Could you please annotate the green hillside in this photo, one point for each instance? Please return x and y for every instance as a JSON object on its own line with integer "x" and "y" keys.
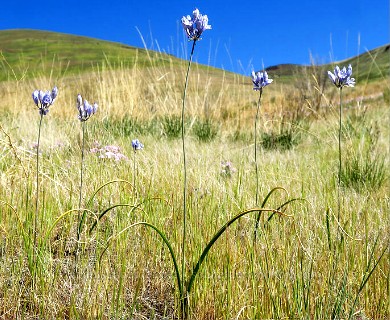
{"x": 371, "y": 65}
{"x": 32, "y": 52}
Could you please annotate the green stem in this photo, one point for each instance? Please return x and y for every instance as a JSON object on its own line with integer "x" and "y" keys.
{"x": 35, "y": 229}
{"x": 256, "y": 167}
{"x": 134, "y": 175}
{"x": 37, "y": 181}
{"x": 81, "y": 179}
{"x": 185, "y": 171}
{"x": 339, "y": 173}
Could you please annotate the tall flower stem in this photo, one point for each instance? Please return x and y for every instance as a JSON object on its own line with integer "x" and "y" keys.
{"x": 136, "y": 145}
{"x": 43, "y": 100}
{"x": 85, "y": 112}
{"x": 341, "y": 78}
{"x": 135, "y": 189}
{"x": 35, "y": 228}
{"x": 339, "y": 173}
{"x": 81, "y": 181}
{"x": 37, "y": 182}
{"x": 185, "y": 171}
{"x": 134, "y": 174}
{"x": 256, "y": 166}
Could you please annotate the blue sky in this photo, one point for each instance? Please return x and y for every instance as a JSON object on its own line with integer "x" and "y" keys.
{"x": 244, "y": 35}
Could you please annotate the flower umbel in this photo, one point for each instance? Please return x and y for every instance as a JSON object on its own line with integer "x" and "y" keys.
{"x": 227, "y": 169}
{"x": 43, "y": 100}
{"x": 342, "y": 78}
{"x": 260, "y": 80}
{"x": 194, "y": 26}
{"x": 136, "y": 145}
{"x": 85, "y": 109}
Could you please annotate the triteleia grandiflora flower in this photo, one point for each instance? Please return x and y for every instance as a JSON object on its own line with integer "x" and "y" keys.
{"x": 194, "y": 26}
{"x": 136, "y": 145}
{"x": 43, "y": 100}
{"x": 342, "y": 78}
{"x": 85, "y": 109}
{"x": 260, "y": 80}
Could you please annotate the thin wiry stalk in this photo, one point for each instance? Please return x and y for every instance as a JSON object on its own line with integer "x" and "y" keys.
{"x": 134, "y": 174}
{"x": 256, "y": 167}
{"x": 37, "y": 181}
{"x": 339, "y": 173}
{"x": 185, "y": 171}
{"x": 81, "y": 178}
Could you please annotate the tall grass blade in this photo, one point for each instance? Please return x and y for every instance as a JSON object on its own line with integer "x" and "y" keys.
{"x": 185, "y": 171}
{"x": 368, "y": 272}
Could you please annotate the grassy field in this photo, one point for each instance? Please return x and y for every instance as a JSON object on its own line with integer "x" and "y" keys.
{"x": 306, "y": 264}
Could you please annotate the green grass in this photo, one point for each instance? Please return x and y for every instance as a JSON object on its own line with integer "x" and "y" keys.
{"x": 307, "y": 266}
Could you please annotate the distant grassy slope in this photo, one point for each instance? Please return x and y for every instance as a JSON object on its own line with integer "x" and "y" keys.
{"x": 371, "y": 65}
{"x": 30, "y": 53}
{"x": 33, "y": 52}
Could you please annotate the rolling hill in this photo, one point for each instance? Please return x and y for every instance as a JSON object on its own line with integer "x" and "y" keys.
{"x": 30, "y": 53}
{"x": 374, "y": 64}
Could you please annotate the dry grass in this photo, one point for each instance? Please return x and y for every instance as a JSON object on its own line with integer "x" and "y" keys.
{"x": 300, "y": 267}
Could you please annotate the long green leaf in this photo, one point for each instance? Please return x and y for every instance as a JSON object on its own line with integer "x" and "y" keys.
{"x": 104, "y": 185}
{"x": 166, "y": 241}
{"x": 217, "y": 235}
{"x": 263, "y": 205}
{"x": 134, "y": 206}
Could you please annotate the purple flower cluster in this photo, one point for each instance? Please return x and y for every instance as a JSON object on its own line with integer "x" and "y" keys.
{"x": 43, "y": 100}
{"x": 108, "y": 152}
{"x": 136, "y": 145}
{"x": 342, "y": 78}
{"x": 227, "y": 168}
{"x": 85, "y": 109}
{"x": 194, "y": 26}
{"x": 260, "y": 80}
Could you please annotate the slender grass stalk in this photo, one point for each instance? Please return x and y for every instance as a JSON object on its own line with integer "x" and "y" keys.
{"x": 368, "y": 273}
{"x": 185, "y": 170}
{"x": 13, "y": 149}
